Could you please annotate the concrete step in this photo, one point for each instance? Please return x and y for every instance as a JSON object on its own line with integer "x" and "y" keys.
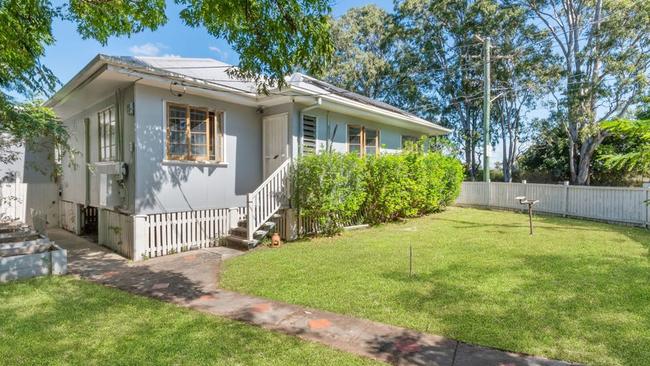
{"x": 239, "y": 242}
{"x": 267, "y": 226}
{"x": 242, "y": 233}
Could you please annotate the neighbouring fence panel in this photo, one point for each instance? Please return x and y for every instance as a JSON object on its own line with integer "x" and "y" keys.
{"x": 18, "y": 199}
{"x": 608, "y": 203}
{"x": 13, "y": 198}
{"x": 474, "y": 192}
{"x": 115, "y": 231}
{"x": 43, "y": 197}
{"x": 169, "y": 233}
{"x": 615, "y": 204}
{"x": 68, "y": 212}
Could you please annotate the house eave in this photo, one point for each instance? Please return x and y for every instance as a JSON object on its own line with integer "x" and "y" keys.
{"x": 333, "y": 101}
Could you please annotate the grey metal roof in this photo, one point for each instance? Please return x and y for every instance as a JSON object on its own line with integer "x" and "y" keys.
{"x": 214, "y": 74}
{"x": 354, "y": 96}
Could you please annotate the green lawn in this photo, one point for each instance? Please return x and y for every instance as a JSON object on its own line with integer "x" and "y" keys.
{"x": 63, "y": 321}
{"x": 576, "y": 290}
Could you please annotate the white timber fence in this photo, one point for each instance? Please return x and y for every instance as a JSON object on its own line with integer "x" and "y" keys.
{"x": 161, "y": 234}
{"x": 13, "y": 197}
{"x": 268, "y": 198}
{"x": 610, "y": 204}
{"x": 17, "y": 200}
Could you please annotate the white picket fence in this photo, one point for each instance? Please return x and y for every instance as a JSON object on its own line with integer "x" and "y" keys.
{"x": 611, "y": 204}
{"x": 168, "y": 233}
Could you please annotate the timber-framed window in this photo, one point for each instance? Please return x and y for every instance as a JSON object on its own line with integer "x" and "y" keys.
{"x": 363, "y": 140}
{"x": 194, "y": 133}
{"x": 107, "y": 128}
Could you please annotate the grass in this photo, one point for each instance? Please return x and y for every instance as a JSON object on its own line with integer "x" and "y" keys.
{"x": 63, "y": 321}
{"x": 576, "y": 290}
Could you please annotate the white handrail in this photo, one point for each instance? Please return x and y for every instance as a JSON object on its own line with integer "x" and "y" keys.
{"x": 267, "y": 199}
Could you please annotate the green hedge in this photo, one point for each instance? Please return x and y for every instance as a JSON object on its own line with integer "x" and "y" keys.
{"x": 334, "y": 188}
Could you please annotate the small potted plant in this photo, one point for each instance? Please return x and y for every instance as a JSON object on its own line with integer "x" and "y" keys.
{"x": 275, "y": 240}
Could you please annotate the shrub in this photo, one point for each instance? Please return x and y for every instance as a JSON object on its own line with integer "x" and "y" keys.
{"x": 329, "y": 188}
{"x": 388, "y": 187}
{"x": 333, "y": 188}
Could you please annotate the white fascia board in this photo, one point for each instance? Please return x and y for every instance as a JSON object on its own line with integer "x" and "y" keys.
{"x": 419, "y": 122}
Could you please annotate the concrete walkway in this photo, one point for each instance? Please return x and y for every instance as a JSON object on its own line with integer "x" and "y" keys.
{"x": 191, "y": 279}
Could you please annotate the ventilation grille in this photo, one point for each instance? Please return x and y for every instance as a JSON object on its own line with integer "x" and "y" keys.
{"x": 309, "y": 135}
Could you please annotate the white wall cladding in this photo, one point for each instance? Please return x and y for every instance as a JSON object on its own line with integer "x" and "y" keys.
{"x": 168, "y": 233}
{"x": 613, "y": 204}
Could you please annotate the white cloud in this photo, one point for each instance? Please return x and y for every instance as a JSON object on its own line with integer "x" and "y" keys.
{"x": 221, "y": 53}
{"x": 147, "y": 49}
{"x": 172, "y": 55}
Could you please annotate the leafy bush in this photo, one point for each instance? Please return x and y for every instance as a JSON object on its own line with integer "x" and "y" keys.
{"x": 388, "y": 187}
{"x": 332, "y": 188}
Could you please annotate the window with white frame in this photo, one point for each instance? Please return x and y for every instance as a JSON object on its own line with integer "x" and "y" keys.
{"x": 363, "y": 140}
{"x": 107, "y": 134}
{"x": 194, "y": 133}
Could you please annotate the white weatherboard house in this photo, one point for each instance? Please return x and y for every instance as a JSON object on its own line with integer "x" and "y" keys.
{"x": 174, "y": 154}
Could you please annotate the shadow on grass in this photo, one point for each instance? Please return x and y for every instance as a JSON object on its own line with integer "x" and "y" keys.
{"x": 597, "y": 305}
{"x": 75, "y": 322}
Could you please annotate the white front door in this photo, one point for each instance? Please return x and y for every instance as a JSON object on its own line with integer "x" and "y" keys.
{"x": 275, "y": 148}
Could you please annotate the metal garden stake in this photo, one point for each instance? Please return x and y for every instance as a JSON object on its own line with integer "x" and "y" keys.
{"x": 410, "y": 260}
{"x": 522, "y": 200}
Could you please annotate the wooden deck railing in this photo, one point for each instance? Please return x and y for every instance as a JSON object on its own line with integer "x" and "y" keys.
{"x": 268, "y": 198}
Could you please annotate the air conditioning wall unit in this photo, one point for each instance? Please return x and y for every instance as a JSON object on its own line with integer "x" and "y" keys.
{"x": 110, "y": 174}
{"x": 109, "y": 191}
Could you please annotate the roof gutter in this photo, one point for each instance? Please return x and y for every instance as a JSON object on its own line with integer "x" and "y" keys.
{"x": 319, "y": 102}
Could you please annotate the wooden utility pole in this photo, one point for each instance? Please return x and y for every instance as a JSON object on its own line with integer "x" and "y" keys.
{"x": 486, "y": 108}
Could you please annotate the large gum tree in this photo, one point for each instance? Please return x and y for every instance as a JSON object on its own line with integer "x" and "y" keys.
{"x": 605, "y": 50}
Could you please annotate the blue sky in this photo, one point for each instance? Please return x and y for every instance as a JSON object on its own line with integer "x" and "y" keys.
{"x": 70, "y": 53}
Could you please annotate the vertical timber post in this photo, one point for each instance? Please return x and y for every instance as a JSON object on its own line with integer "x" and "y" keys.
{"x": 566, "y": 198}
{"x": 140, "y": 237}
{"x": 486, "y": 109}
{"x": 647, "y": 203}
{"x": 249, "y": 217}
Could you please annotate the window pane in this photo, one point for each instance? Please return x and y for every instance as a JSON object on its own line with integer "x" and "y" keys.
{"x": 219, "y": 138}
{"x": 371, "y": 137}
{"x": 371, "y": 150}
{"x": 107, "y": 129}
{"x": 213, "y": 137}
{"x": 177, "y": 149}
{"x": 177, "y": 124}
{"x": 354, "y": 135}
{"x": 355, "y": 149}
{"x": 199, "y": 150}
{"x": 198, "y": 138}
{"x": 197, "y": 120}
{"x": 177, "y": 137}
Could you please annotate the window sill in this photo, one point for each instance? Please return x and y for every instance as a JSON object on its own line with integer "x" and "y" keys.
{"x": 195, "y": 163}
